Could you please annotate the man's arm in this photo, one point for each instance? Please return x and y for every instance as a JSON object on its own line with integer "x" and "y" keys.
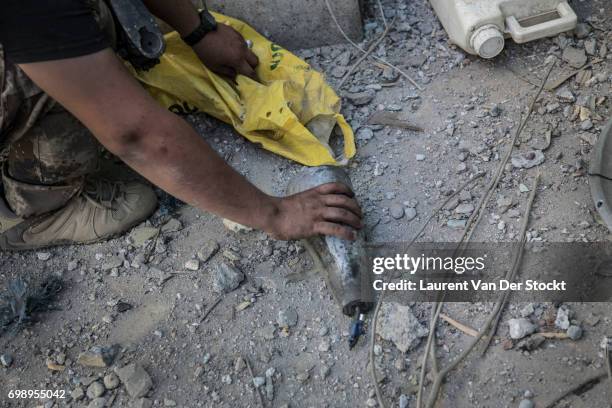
{"x": 224, "y": 51}
{"x": 162, "y": 147}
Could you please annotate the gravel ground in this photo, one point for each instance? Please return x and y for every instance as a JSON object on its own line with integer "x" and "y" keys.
{"x": 150, "y": 298}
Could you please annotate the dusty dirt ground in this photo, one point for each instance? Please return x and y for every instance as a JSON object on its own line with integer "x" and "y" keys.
{"x": 469, "y": 110}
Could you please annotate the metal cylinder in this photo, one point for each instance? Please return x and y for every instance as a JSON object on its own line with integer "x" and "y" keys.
{"x": 347, "y": 272}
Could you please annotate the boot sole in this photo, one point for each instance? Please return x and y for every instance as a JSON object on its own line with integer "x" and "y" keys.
{"x": 5, "y": 246}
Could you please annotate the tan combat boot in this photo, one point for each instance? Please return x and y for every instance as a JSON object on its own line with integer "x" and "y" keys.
{"x": 103, "y": 210}
{"x": 8, "y": 219}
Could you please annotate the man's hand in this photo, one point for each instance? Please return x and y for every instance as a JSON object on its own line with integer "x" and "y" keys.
{"x": 329, "y": 209}
{"x": 225, "y": 52}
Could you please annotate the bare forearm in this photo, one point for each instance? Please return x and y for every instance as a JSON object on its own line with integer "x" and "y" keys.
{"x": 176, "y": 159}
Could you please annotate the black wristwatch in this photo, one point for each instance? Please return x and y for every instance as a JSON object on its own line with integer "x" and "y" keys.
{"x": 207, "y": 24}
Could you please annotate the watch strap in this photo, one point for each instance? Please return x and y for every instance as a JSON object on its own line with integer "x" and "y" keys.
{"x": 205, "y": 27}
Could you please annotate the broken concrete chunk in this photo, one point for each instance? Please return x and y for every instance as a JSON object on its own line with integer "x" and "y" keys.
{"x": 563, "y": 318}
{"x": 456, "y": 224}
{"x": 136, "y": 380}
{"x": 361, "y": 98}
{"x": 208, "y": 250}
{"x": 192, "y": 265}
{"x": 464, "y": 208}
{"x": 399, "y": 325}
{"x": 520, "y": 328}
{"x": 99, "y": 357}
{"x": 226, "y": 278}
{"x": 565, "y": 95}
{"x": 235, "y": 227}
{"x": 287, "y": 318}
{"x": 575, "y": 57}
{"x": 528, "y": 160}
{"x": 574, "y": 333}
{"x": 140, "y": 235}
{"x": 173, "y": 225}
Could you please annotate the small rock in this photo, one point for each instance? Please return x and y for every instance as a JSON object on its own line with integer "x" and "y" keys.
{"x": 565, "y": 95}
{"x": 399, "y": 325}
{"x": 6, "y": 360}
{"x": 361, "y": 98}
{"x": 586, "y": 125}
{"x": 239, "y": 365}
{"x": 495, "y": 111}
{"x": 173, "y": 225}
{"x": 100, "y": 357}
{"x": 520, "y": 328}
{"x": 140, "y": 235}
{"x": 259, "y": 381}
{"x": 324, "y": 347}
{"x": 192, "y": 265}
{"x": 410, "y": 213}
{"x": 72, "y": 265}
{"x": 396, "y": 211}
{"x": 269, "y": 385}
{"x": 208, "y": 250}
{"x": 95, "y": 390}
{"x": 235, "y": 227}
{"x": 226, "y": 278}
{"x": 465, "y": 208}
{"x": 77, "y": 393}
{"x": 287, "y": 318}
{"x": 590, "y": 46}
{"x": 324, "y": 372}
{"x": 456, "y": 224}
{"x": 111, "y": 381}
{"x": 169, "y": 403}
{"x": 365, "y": 134}
{"x": 575, "y": 57}
{"x": 371, "y": 402}
{"x": 137, "y": 381}
{"x": 528, "y": 310}
{"x": 403, "y": 401}
{"x": 563, "y": 318}
{"x": 526, "y": 404}
{"x": 528, "y": 160}
{"x": 400, "y": 364}
{"x": 112, "y": 262}
{"x": 420, "y": 157}
{"x": 574, "y": 332}
{"x": 43, "y": 256}
{"x": 461, "y": 168}
{"x": 523, "y": 188}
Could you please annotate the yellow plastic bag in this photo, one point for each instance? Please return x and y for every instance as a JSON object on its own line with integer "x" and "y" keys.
{"x": 292, "y": 112}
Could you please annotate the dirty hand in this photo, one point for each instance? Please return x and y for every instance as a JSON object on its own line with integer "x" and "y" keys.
{"x": 225, "y": 52}
{"x": 329, "y": 209}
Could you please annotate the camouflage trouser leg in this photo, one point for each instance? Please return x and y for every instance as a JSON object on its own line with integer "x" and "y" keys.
{"x": 46, "y": 166}
{"x": 45, "y": 152}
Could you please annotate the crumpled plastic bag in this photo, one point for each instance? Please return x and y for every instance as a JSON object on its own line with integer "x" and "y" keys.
{"x": 292, "y": 112}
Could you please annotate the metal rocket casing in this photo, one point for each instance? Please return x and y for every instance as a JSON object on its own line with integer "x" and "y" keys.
{"x": 347, "y": 273}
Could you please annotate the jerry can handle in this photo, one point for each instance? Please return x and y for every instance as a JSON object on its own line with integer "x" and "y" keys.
{"x": 567, "y": 21}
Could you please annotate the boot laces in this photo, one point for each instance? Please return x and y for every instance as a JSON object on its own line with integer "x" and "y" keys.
{"x": 103, "y": 193}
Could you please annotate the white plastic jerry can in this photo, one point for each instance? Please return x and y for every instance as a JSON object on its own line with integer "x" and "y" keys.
{"x": 480, "y": 26}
